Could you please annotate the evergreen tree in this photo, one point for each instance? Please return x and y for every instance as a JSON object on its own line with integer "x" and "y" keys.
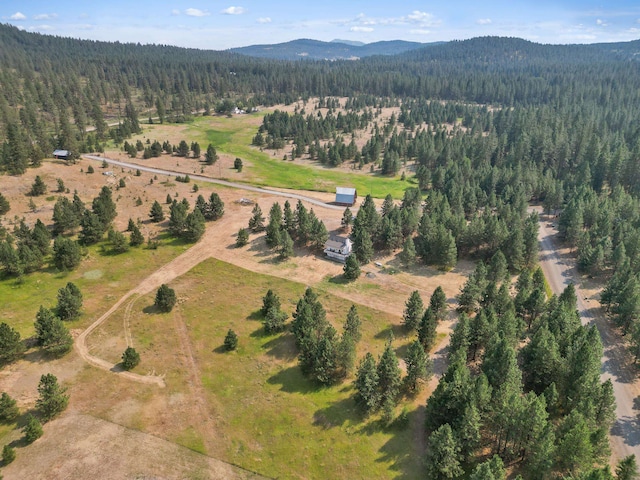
{"x": 118, "y": 241}
{"x": 130, "y": 358}
{"x": 286, "y": 246}
{"x": 273, "y": 236}
{"x": 211, "y": 156}
{"x": 215, "y": 207}
{"x": 8, "y": 408}
{"x": 408, "y": 254}
{"x": 442, "y": 459}
{"x": 104, "y": 207}
{"x": 52, "y": 399}
{"x": 438, "y": 303}
{"x": 288, "y": 219}
{"x": 256, "y": 223}
{"x": 66, "y": 253}
{"x": 51, "y": 333}
{"x": 347, "y": 219}
{"x": 178, "y": 217}
{"x": 11, "y": 345}
{"x": 413, "y": 311}
{"x": 8, "y": 454}
{"x": 69, "y": 302}
{"x": 38, "y": 187}
{"x": 92, "y": 228}
{"x": 427, "y": 330}
{"x": 351, "y": 268}
{"x": 5, "y": 206}
{"x": 418, "y": 366}
{"x": 194, "y": 226}
{"x": 230, "y": 340}
{"x": 352, "y": 325}
{"x": 270, "y": 300}
{"x": 388, "y": 374}
{"x": 367, "y": 384}
{"x": 274, "y": 320}
{"x": 242, "y": 238}
{"x": 492, "y": 469}
{"x": 165, "y": 298}
{"x": 136, "y": 237}
{"x": 156, "y": 214}
{"x": 32, "y": 429}
{"x": 627, "y": 468}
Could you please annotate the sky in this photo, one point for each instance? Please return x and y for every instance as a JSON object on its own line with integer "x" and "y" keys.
{"x": 223, "y": 24}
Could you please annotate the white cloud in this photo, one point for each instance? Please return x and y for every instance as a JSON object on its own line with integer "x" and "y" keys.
{"x": 46, "y": 16}
{"x": 175, "y": 12}
{"x": 196, "y": 12}
{"x": 361, "y": 29}
{"x": 419, "y": 31}
{"x": 419, "y": 17}
{"x": 264, "y": 20}
{"x": 601, "y": 23}
{"x": 234, "y": 11}
{"x": 483, "y": 21}
{"x": 39, "y": 28}
{"x": 18, "y": 16}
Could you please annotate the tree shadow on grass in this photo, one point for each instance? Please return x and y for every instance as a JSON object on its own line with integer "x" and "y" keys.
{"x": 282, "y": 347}
{"x": 339, "y": 280}
{"x": 151, "y": 309}
{"x": 402, "y": 451}
{"x": 255, "y": 315}
{"x": 338, "y": 414}
{"x": 291, "y": 380}
{"x": 398, "y": 331}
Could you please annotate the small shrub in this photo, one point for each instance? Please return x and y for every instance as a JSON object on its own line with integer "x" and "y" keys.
{"x": 90, "y": 169}
{"x": 231, "y": 340}
{"x": 32, "y": 430}
{"x": 121, "y": 183}
{"x": 243, "y": 237}
{"x": 165, "y": 298}
{"x": 130, "y": 358}
{"x": 237, "y": 164}
{"x": 8, "y": 454}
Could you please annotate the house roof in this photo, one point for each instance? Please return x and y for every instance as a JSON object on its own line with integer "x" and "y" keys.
{"x": 336, "y": 241}
{"x": 345, "y": 191}
{"x": 61, "y": 153}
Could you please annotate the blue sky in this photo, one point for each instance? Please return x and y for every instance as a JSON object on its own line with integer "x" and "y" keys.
{"x": 218, "y": 25}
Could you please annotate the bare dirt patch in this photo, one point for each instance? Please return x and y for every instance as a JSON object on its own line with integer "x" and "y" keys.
{"x": 81, "y": 446}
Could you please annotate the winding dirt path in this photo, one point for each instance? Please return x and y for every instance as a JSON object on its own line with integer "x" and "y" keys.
{"x": 178, "y": 266}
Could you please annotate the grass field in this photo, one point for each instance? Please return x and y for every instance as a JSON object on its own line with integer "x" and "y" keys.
{"x": 233, "y": 136}
{"x": 102, "y": 279}
{"x": 271, "y": 419}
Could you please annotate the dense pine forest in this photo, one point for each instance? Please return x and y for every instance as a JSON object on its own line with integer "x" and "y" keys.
{"x": 486, "y": 127}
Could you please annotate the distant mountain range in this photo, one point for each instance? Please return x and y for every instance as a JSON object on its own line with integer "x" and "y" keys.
{"x": 306, "y": 49}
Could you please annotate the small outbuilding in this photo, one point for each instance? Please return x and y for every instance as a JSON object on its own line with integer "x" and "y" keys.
{"x": 346, "y": 196}
{"x": 61, "y": 154}
{"x": 338, "y": 248}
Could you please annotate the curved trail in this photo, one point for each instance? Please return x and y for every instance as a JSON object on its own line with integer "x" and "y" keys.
{"x": 560, "y": 270}
{"x": 175, "y": 268}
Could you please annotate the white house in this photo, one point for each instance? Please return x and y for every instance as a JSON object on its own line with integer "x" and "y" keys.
{"x": 338, "y": 248}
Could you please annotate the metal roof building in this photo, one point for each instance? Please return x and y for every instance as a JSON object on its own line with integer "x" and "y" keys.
{"x": 346, "y": 196}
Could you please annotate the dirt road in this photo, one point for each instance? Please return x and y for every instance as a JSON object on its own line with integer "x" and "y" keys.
{"x": 560, "y": 270}
{"x": 226, "y": 183}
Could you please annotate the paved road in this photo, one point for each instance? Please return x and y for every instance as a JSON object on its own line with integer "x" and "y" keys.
{"x": 226, "y": 183}
{"x": 617, "y": 365}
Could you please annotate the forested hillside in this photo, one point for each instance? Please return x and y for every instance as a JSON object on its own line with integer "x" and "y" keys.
{"x": 483, "y": 128}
